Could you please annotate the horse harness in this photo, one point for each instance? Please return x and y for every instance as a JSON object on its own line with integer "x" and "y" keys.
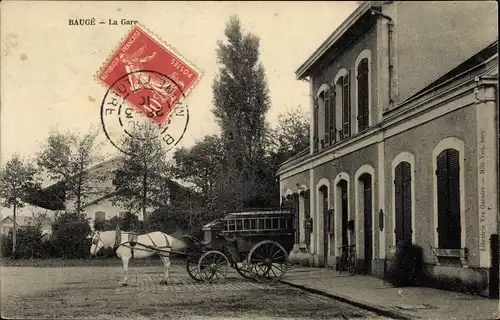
{"x": 132, "y": 241}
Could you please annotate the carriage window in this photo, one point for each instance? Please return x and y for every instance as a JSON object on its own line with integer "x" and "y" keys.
{"x": 253, "y": 224}
{"x": 268, "y": 224}
{"x": 239, "y": 224}
{"x": 247, "y": 224}
{"x": 261, "y": 224}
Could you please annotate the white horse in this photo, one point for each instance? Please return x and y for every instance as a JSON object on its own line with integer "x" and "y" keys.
{"x": 130, "y": 245}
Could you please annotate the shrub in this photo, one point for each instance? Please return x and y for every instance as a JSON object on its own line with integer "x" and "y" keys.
{"x": 29, "y": 243}
{"x": 406, "y": 267}
{"x": 69, "y": 239}
{"x": 7, "y": 244}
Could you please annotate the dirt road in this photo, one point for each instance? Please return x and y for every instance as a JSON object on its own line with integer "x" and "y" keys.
{"x": 95, "y": 292}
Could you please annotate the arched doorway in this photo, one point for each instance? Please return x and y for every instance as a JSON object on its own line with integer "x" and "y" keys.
{"x": 402, "y": 202}
{"x": 365, "y": 181}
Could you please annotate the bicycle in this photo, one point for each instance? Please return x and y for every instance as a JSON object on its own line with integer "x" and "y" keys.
{"x": 348, "y": 259}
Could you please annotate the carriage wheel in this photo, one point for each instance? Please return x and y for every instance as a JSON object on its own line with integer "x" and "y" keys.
{"x": 244, "y": 269}
{"x": 192, "y": 268}
{"x": 213, "y": 266}
{"x": 268, "y": 261}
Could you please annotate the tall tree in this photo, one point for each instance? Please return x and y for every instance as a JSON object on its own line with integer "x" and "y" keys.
{"x": 18, "y": 179}
{"x": 66, "y": 156}
{"x": 143, "y": 182}
{"x": 240, "y": 98}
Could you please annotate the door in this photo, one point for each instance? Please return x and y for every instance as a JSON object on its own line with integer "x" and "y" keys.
{"x": 448, "y": 192}
{"x": 344, "y": 208}
{"x": 296, "y": 217}
{"x": 402, "y": 199}
{"x": 368, "y": 223}
{"x": 307, "y": 218}
{"x": 324, "y": 192}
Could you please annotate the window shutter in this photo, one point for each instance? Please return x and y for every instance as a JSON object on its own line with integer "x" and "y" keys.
{"x": 315, "y": 124}
{"x": 454, "y": 230}
{"x": 346, "y": 106}
{"x": 307, "y": 208}
{"x": 443, "y": 202}
{"x": 398, "y": 202}
{"x": 406, "y": 173}
{"x": 366, "y": 95}
{"x": 363, "y": 95}
{"x": 332, "y": 130}
{"x": 327, "y": 116}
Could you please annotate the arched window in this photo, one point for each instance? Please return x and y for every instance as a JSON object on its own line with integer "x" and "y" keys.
{"x": 363, "y": 95}
{"x": 448, "y": 199}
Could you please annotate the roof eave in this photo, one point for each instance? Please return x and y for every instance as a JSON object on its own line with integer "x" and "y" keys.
{"x": 303, "y": 70}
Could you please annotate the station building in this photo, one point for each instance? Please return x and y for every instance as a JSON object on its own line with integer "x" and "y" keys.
{"x": 404, "y": 140}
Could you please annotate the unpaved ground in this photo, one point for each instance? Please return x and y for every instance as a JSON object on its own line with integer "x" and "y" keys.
{"x": 95, "y": 292}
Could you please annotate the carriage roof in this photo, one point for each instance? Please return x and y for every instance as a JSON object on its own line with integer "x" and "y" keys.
{"x": 257, "y": 213}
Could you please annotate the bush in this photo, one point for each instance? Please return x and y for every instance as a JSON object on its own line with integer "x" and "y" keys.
{"x": 29, "y": 243}
{"x": 7, "y": 245}
{"x": 406, "y": 267}
{"x": 69, "y": 239}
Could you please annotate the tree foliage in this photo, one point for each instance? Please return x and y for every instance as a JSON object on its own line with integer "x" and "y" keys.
{"x": 201, "y": 166}
{"x": 65, "y": 157}
{"x": 142, "y": 182}
{"x": 18, "y": 180}
{"x": 291, "y": 135}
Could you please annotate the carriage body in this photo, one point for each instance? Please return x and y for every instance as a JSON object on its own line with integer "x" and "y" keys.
{"x": 254, "y": 242}
{"x": 247, "y": 228}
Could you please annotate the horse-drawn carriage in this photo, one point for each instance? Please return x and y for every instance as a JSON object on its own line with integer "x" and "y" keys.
{"x": 255, "y": 243}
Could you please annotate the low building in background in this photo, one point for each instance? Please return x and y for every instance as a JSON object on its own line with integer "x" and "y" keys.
{"x": 101, "y": 205}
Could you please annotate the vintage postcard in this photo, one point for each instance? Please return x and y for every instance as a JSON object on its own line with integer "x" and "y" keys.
{"x": 249, "y": 160}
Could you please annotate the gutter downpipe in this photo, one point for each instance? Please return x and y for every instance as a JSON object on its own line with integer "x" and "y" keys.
{"x": 390, "y": 47}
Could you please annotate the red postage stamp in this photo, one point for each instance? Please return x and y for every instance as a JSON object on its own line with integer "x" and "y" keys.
{"x": 148, "y": 75}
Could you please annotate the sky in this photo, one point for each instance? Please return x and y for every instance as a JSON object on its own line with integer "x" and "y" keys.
{"x": 49, "y": 67}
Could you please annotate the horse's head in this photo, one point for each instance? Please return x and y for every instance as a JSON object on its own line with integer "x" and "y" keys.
{"x": 97, "y": 242}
